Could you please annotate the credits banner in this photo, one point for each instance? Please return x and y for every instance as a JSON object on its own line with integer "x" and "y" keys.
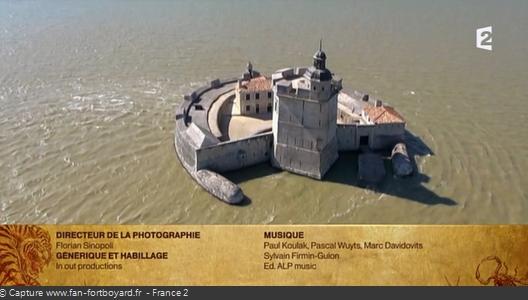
{"x": 91, "y": 255}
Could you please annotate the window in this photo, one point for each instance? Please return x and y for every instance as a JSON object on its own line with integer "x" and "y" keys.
{"x": 248, "y": 108}
{"x": 257, "y": 96}
{"x": 247, "y": 96}
{"x": 269, "y": 107}
{"x": 198, "y": 107}
{"x": 314, "y": 88}
{"x": 322, "y": 88}
{"x": 269, "y": 95}
{"x": 257, "y": 110}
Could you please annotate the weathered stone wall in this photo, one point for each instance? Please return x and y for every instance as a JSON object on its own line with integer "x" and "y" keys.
{"x": 380, "y": 136}
{"x": 185, "y": 151}
{"x": 347, "y": 137}
{"x": 233, "y": 155}
{"x": 385, "y": 136}
{"x": 302, "y": 161}
{"x": 186, "y": 113}
{"x": 328, "y": 156}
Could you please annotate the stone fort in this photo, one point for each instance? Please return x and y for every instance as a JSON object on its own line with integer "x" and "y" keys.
{"x": 299, "y": 120}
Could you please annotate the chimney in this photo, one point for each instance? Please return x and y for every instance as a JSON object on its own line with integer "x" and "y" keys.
{"x": 379, "y": 103}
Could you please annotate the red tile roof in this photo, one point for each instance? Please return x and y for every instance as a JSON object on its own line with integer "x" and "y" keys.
{"x": 257, "y": 84}
{"x": 383, "y": 114}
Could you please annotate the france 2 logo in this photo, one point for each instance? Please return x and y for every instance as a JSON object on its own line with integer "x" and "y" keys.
{"x": 484, "y": 38}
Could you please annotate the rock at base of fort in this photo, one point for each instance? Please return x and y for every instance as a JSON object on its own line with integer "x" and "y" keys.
{"x": 401, "y": 163}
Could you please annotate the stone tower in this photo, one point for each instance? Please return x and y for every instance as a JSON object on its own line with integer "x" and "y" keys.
{"x": 304, "y": 118}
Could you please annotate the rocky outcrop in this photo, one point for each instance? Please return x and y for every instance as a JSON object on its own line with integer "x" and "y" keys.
{"x": 401, "y": 163}
{"x": 219, "y": 186}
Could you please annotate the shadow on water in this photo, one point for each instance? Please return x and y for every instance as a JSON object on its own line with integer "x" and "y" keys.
{"x": 245, "y": 202}
{"x": 250, "y": 173}
{"x": 411, "y": 188}
{"x": 344, "y": 171}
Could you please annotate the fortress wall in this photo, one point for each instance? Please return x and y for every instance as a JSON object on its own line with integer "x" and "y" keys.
{"x": 186, "y": 113}
{"x": 328, "y": 156}
{"x": 221, "y": 157}
{"x": 232, "y": 155}
{"x": 381, "y": 136}
{"x": 364, "y": 130}
{"x": 386, "y": 135}
{"x": 347, "y": 137}
{"x": 302, "y": 161}
{"x": 228, "y": 108}
{"x": 186, "y": 152}
{"x": 206, "y": 96}
{"x": 385, "y": 141}
{"x": 199, "y": 117}
{"x": 297, "y": 160}
{"x": 194, "y": 96}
